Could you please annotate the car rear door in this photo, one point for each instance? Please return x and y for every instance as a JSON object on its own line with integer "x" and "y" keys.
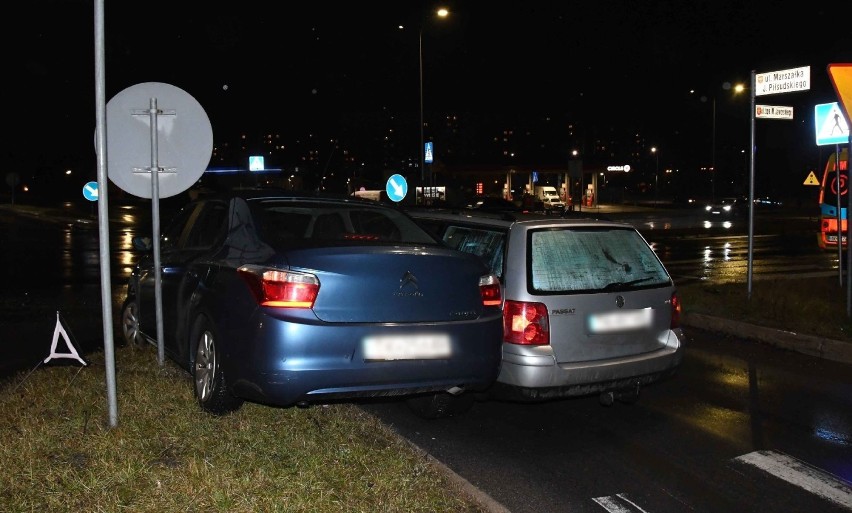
{"x": 606, "y": 293}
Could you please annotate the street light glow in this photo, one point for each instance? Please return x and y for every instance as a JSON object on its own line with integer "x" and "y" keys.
{"x": 442, "y": 12}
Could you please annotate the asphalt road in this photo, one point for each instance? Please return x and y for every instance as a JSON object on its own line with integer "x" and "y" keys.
{"x": 740, "y": 427}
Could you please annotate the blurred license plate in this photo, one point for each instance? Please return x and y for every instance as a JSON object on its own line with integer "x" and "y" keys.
{"x": 408, "y": 347}
{"x": 620, "y": 320}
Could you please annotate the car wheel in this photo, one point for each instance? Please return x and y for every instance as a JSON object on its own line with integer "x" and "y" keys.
{"x": 439, "y": 405}
{"x": 130, "y": 323}
{"x": 211, "y": 386}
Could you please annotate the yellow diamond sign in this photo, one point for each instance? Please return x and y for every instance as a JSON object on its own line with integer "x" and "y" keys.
{"x": 841, "y": 78}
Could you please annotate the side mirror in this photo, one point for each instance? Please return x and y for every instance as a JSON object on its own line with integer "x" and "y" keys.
{"x": 142, "y": 243}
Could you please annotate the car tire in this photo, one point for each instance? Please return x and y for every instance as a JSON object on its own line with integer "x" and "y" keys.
{"x": 130, "y": 323}
{"x": 440, "y": 405}
{"x": 209, "y": 382}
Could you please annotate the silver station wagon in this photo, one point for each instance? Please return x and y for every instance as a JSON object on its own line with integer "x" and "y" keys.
{"x": 588, "y": 306}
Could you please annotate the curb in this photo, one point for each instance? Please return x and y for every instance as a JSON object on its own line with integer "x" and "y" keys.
{"x": 50, "y": 215}
{"x": 819, "y": 347}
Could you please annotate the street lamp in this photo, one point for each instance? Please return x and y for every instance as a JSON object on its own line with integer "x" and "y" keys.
{"x": 441, "y": 13}
{"x": 656, "y": 173}
{"x": 738, "y": 88}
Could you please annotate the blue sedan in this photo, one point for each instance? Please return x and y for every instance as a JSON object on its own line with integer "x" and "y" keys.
{"x": 291, "y": 300}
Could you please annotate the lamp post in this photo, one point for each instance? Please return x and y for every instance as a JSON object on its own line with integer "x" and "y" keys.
{"x": 422, "y": 142}
{"x": 441, "y": 13}
{"x": 738, "y": 88}
{"x": 656, "y": 173}
{"x": 713, "y": 156}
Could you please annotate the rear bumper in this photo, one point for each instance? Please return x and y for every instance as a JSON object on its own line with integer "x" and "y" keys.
{"x": 287, "y": 363}
{"x": 535, "y": 377}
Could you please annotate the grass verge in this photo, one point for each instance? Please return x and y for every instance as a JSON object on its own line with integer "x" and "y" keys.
{"x": 58, "y": 452}
{"x": 812, "y": 306}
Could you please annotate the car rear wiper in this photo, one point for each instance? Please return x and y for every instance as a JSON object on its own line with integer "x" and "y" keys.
{"x": 624, "y": 285}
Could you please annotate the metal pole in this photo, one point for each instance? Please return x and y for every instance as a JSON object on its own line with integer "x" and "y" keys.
{"x": 103, "y": 214}
{"x": 422, "y": 141}
{"x": 155, "y": 218}
{"x": 656, "y": 177}
{"x": 713, "y": 156}
{"x": 751, "y": 188}
{"x": 839, "y": 216}
{"x": 848, "y": 230}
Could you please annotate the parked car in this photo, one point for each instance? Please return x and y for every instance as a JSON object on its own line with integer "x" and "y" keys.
{"x": 588, "y": 306}
{"x": 492, "y": 204}
{"x": 287, "y": 300}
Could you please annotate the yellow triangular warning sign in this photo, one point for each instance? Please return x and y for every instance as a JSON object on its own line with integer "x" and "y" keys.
{"x": 811, "y": 179}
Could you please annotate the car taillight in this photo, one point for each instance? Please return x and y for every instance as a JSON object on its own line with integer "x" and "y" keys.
{"x": 489, "y": 288}
{"x": 676, "y": 309}
{"x": 283, "y": 289}
{"x": 525, "y": 323}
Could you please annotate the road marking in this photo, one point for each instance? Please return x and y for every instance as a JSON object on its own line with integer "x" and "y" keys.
{"x": 618, "y": 503}
{"x": 801, "y": 474}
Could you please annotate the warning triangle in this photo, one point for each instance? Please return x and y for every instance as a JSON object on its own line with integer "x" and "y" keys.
{"x": 811, "y": 179}
{"x": 835, "y": 124}
{"x": 72, "y": 351}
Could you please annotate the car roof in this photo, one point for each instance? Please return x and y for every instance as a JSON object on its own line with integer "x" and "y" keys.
{"x": 259, "y": 193}
{"x": 507, "y": 219}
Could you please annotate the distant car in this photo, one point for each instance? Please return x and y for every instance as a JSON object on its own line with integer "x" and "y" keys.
{"x": 588, "y": 306}
{"x": 767, "y": 202}
{"x": 287, "y": 300}
{"x": 725, "y": 207}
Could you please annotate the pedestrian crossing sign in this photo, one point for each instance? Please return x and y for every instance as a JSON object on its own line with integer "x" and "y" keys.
{"x": 256, "y": 163}
{"x": 831, "y": 125}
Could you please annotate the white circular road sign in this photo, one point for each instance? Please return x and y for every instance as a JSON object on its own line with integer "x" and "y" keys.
{"x": 184, "y": 139}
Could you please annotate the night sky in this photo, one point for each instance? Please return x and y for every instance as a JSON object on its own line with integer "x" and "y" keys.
{"x": 294, "y": 65}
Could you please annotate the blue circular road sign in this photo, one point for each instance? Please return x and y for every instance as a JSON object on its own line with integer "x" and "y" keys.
{"x": 396, "y": 187}
{"x": 90, "y": 191}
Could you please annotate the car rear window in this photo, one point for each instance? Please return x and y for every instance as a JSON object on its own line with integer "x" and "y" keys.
{"x": 287, "y": 223}
{"x": 486, "y": 244}
{"x": 592, "y": 259}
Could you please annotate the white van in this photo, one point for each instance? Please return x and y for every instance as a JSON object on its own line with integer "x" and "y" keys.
{"x": 549, "y": 197}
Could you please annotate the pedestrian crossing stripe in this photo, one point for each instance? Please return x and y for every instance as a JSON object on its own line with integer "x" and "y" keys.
{"x": 811, "y": 179}
{"x": 799, "y": 473}
{"x": 813, "y": 480}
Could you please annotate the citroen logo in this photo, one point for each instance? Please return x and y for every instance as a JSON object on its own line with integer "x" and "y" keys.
{"x": 408, "y": 279}
{"x": 408, "y": 286}
{"x": 619, "y": 301}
